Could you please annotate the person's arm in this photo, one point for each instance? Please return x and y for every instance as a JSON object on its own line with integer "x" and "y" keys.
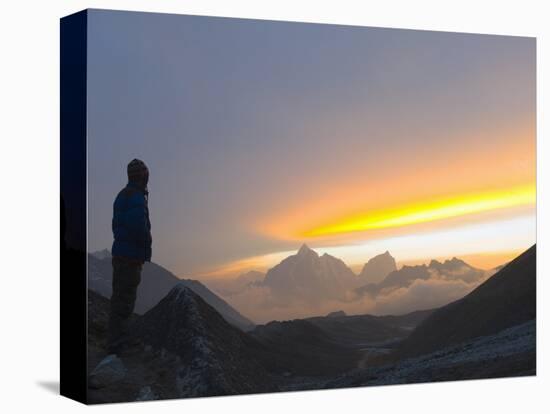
{"x": 137, "y": 220}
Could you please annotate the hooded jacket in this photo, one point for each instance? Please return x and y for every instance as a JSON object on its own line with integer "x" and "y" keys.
{"x": 131, "y": 225}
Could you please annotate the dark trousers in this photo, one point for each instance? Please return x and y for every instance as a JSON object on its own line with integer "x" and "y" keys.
{"x": 126, "y": 278}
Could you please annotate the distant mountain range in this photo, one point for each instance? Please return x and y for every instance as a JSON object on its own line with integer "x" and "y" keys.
{"x": 454, "y": 269}
{"x": 307, "y": 283}
{"x": 156, "y": 282}
{"x": 308, "y": 275}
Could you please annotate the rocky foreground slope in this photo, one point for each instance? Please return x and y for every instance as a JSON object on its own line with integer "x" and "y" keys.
{"x": 511, "y": 352}
{"x": 182, "y": 347}
{"x": 214, "y": 357}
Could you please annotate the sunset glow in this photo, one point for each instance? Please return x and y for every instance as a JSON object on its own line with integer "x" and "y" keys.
{"x": 485, "y": 245}
{"x": 430, "y": 210}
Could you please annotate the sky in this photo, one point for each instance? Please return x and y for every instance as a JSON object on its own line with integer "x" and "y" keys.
{"x": 261, "y": 136}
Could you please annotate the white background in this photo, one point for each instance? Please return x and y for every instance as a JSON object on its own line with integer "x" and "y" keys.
{"x": 29, "y": 191}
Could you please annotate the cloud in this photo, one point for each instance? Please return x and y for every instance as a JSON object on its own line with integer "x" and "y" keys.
{"x": 262, "y": 305}
{"x": 421, "y": 294}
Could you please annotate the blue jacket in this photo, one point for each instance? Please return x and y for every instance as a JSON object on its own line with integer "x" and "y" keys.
{"x": 131, "y": 225}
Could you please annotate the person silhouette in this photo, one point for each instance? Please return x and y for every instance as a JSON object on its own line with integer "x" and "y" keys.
{"x": 131, "y": 249}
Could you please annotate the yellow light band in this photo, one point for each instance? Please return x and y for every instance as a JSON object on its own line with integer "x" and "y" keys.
{"x": 428, "y": 211}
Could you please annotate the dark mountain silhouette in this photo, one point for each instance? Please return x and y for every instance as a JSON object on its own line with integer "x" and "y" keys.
{"x": 377, "y": 268}
{"x": 405, "y": 276}
{"x": 215, "y": 357}
{"x": 98, "y": 317}
{"x": 182, "y": 347}
{"x": 363, "y": 329}
{"x": 144, "y": 367}
{"x": 230, "y": 314}
{"x": 328, "y": 345}
{"x": 407, "y": 321}
{"x": 506, "y": 299}
{"x": 156, "y": 282}
{"x": 454, "y": 269}
{"x": 299, "y": 347}
{"x": 336, "y": 314}
{"x": 310, "y": 277}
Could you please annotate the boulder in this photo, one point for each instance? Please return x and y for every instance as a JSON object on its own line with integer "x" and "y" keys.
{"x": 109, "y": 371}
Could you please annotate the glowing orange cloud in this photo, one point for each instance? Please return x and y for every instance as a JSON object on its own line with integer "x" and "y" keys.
{"x": 474, "y": 181}
{"x": 428, "y": 211}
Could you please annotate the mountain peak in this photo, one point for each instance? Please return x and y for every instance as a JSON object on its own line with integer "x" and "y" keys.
{"x": 183, "y": 297}
{"x": 377, "y": 268}
{"x": 306, "y": 276}
{"x": 337, "y": 314}
{"x": 305, "y": 250}
{"x": 453, "y": 263}
{"x": 208, "y": 347}
{"x": 434, "y": 263}
{"x": 456, "y": 262}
